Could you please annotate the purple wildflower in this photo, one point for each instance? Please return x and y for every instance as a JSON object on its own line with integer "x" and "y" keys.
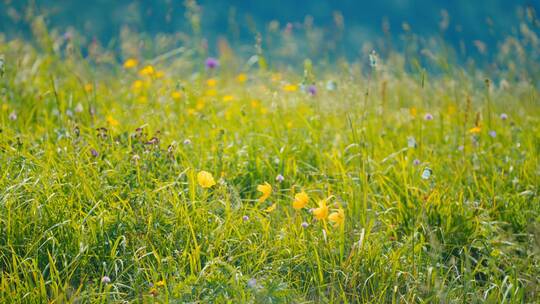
{"x": 252, "y": 283}
{"x": 416, "y": 162}
{"x": 280, "y": 178}
{"x": 428, "y": 116}
{"x": 504, "y": 116}
{"x": 105, "y": 280}
{"x": 187, "y": 142}
{"x": 305, "y": 225}
{"x": 312, "y": 90}
{"x": 212, "y": 63}
{"x": 245, "y": 218}
{"x": 13, "y": 116}
{"x": 94, "y": 152}
{"x": 492, "y": 133}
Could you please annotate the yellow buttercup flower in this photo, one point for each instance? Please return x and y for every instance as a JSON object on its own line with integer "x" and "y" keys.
{"x": 147, "y": 71}
{"x": 290, "y": 88}
{"x": 321, "y": 213}
{"x": 88, "y": 87}
{"x": 300, "y": 200}
{"x": 266, "y": 190}
{"x": 255, "y": 103}
{"x": 211, "y": 82}
{"x": 241, "y": 78}
{"x": 137, "y": 85}
{"x": 159, "y": 74}
{"x": 111, "y": 121}
{"x": 200, "y": 104}
{"x": 130, "y": 63}
{"x": 337, "y": 217}
{"x": 205, "y": 179}
{"x": 475, "y": 130}
{"x": 227, "y": 98}
{"x": 413, "y": 111}
{"x": 160, "y": 283}
{"x": 176, "y": 95}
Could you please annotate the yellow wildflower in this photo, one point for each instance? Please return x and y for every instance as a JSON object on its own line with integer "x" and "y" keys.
{"x": 413, "y": 111}
{"x": 5, "y": 107}
{"x": 211, "y": 82}
{"x": 290, "y": 88}
{"x": 130, "y": 63}
{"x": 227, "y": 98}
{"x": 255, "y": 103}
{"x": 160, "y": 283}
{"x": 137, "y": 85}
{"x": 88, "y": 87}
{"x": 159, "y": 74}
{"x": 266, "y": 190}
{"x": 322, "y": 212}
{"x": 205, "y": 179}
{"x": 200, "y": 104}
{"x": 147, "y": 71}
{"x": 300, "y": 200}
{"x": 241, "y": 78}
{"x": 111, "y": 121}
{"x": 337, "y": 217}
{"x": 475, "y": 130}
{"x": 176, "y": 95}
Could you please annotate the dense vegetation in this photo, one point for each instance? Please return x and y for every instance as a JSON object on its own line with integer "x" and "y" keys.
{"x": 158, "y": 173}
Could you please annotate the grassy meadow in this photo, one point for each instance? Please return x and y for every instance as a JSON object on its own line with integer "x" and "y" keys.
{"x": 167, "y": 172}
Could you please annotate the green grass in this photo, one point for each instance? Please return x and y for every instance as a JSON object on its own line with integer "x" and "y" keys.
{"x": 136, "y": 214}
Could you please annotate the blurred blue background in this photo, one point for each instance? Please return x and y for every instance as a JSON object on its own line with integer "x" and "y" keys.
{"x": 237, "y": 20}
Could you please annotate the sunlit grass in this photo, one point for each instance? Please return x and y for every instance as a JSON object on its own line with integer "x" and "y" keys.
{"x": 140, "y": 179}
